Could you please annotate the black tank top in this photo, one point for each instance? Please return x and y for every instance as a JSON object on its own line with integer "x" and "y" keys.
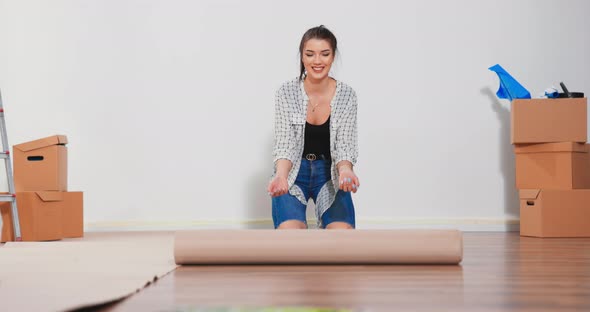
{"x": 317, "y": 139}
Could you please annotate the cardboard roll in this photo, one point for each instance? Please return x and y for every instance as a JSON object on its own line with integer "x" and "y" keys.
{"x": 318, "y": 247}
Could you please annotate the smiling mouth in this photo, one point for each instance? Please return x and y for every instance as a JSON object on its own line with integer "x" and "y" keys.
{"x": 317, "y": 69}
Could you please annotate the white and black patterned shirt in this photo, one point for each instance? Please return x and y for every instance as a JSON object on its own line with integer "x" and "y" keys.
{"x": 290, "y": 116}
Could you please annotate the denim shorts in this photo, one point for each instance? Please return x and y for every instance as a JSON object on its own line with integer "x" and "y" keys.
{"x": 312, "y": 175}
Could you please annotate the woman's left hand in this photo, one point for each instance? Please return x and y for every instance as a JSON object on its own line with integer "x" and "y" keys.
{"x": 348, "y": 180}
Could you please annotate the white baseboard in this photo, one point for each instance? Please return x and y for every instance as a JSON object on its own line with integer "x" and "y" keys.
{"x": 471, "y": 225}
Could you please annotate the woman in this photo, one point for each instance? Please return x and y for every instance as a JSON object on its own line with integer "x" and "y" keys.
{"x": 315, "y": 145}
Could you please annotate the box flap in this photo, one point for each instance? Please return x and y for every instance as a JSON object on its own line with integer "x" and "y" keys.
{"x": 48, "y": 141}
{"x": 529, "y": 193}
{"x": 552, "y": 147}
{"x": 50, "y": 196}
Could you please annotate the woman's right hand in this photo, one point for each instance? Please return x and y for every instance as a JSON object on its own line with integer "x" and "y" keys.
{"x": 278, "y": 186}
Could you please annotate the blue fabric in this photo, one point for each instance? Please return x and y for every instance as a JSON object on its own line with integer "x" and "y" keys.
{"x": 312, "y": 176}
{"x": 509, "y": 88}
{"x": 551, "y": 93}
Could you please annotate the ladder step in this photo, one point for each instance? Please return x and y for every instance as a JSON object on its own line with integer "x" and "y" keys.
{"x": 7, "y": 198}
{"x": 4, "y": 155}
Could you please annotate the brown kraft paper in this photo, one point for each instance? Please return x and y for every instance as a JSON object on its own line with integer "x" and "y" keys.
{"x": 318, "y": 247}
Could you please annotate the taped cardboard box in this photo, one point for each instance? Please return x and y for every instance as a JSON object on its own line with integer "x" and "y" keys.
{"x": 45, "y": 215}
{"x": 555, "y": 213}
{"x": 41, "y": 165}
{"x": 548, "y": 120}
{"x": 564, "y": 165}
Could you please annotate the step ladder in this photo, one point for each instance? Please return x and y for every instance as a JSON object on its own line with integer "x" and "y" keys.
{"x": 11, "y": 196}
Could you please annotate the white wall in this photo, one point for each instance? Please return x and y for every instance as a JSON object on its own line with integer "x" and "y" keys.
{"x": 168, "y": 105}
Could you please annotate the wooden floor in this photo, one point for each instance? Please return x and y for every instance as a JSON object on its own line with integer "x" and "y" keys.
{"x": 500, "y": 272}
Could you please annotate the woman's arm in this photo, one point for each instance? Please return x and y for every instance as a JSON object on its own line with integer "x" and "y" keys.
{"x": 346, "y": 136}
{"x": 347, "y": 147}
{"x": 283, "y": 167}
{"x": 283, "y": 149}
{"x": 283, "y": 135}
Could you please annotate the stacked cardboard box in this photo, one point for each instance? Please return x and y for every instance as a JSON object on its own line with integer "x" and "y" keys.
{"x": 552, "y": 166}
{"x": 47, "y": 211}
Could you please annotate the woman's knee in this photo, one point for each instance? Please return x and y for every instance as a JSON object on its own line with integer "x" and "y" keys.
{"x": 337, "y": 225}
{"x": 292, "y": 225}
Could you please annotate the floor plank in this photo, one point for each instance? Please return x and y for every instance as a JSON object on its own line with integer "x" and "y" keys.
{"x": 500, "y": 272}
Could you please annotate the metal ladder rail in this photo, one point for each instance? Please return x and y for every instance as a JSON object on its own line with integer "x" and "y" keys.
{"x": 5, "y": 155}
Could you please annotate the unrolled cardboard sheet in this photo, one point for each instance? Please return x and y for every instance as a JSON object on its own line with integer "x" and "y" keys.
{"x": 65, "y": 275}
{"x": 318, "y": 247}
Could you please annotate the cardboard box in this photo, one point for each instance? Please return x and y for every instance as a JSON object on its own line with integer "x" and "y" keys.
{"x": 555, "y": 213}
{"x": 45, "y": 215}
{"x": 548, "y": 120}
{"x": 40, "y": 215}
{"x": 564, "y": 165}
{"x": 72, "y": 214}
{"x": 41, "y": 165}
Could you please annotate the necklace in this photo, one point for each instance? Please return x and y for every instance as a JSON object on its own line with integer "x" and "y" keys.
{"x": 313, "y": 106}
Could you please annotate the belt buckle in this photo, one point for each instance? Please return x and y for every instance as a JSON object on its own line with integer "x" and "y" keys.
{"x": 310, "y": 157}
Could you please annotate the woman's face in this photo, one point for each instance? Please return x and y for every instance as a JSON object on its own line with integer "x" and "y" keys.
{"x": 317, "y": 58}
